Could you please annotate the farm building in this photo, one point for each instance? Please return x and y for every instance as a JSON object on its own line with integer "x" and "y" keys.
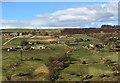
{"x": 12, "y": 49}
{"x": 38, "y": 47}
{"x": 12, "y": 34}
{"x": 6, "y": 33}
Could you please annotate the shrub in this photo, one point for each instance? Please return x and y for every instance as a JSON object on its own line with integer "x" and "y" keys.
{"x": 78, "y": 75}
{"x": 87, "y": 77}
{"x": 37, "y": 59}
{"x": 103, "y": 75}
{"x": 72, "y": 73}
{"x": 55, "y": 64}
{"x": 116, "y": 73}
{"x": 66, "y": 65}
{"x": 24, "y": 43}
{"x": 72, "y": 59}
{"x": 109, "y": 62}
{"x": 115, "y": 68}
{"x": 23, "y": 74}
{"x": 84, "y": 62}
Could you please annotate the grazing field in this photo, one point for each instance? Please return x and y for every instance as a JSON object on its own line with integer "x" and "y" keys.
{"x": 27, "y": 66}
{"x": 31, "y": 30}
{"x": 6, "y": 38}
{"x": 83, "y": 63}
{"x": 94, "y": 65}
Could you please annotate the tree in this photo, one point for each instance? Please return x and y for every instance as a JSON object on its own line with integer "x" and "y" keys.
{"x": 21, "y": 55}
{"x": 106, "y": 26}
{"x": 77, "y": 40}
{"x": 24, "y": 43}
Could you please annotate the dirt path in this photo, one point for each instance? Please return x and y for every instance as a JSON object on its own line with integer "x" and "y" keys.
{"x": 10, "y": 40}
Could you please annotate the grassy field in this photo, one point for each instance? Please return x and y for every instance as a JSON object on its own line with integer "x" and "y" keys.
{"x": 16, "y": 42}
{"x": 31, "y": 30}
{"x": 28, "y": 66}
{"x": 5, "y": 38}
{"x": 94, "y": 64}
{"x": 77, "y": 71}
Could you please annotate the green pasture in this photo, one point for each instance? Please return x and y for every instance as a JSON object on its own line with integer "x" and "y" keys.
{"x": 75, "y": 72}
{"x": 32, "y": 30}
{"x": 94, "y": 63}
{"x": 27, "y": 66}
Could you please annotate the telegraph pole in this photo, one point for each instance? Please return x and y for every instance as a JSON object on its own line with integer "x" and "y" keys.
{"x": 21, "y": 55}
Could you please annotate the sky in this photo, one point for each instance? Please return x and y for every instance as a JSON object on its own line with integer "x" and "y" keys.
{"x": 58, "y": 14}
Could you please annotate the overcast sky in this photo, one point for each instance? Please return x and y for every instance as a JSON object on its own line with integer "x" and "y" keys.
{"x": 58, "y": 14}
